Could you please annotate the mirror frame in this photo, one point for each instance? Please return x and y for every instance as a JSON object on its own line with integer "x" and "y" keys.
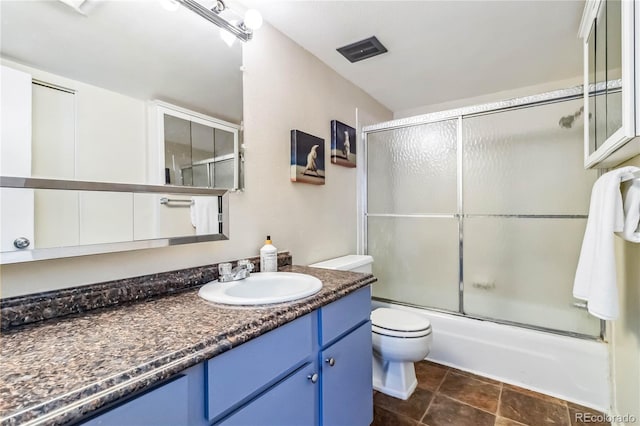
{"x": 620, "y": 145}
{"x": 29, "y": 255}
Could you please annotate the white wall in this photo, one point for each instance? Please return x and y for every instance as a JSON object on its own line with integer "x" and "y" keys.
{"x": 624, "y": 333}
{"x": 285, "y": 87}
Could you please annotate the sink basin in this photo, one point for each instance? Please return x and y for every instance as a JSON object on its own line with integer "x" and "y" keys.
{"x": 262, "y": 288}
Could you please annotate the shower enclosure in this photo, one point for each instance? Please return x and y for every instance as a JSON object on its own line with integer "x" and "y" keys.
{"x": 481, "y": 211}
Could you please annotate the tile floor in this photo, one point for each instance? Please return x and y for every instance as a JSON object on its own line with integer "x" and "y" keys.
{"x": 449, "y": 397}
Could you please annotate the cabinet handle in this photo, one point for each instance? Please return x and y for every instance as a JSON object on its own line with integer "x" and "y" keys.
{"x": 21, "y": 243}
{"x": 330, "y": 361}
{"x": 313, "y": 377}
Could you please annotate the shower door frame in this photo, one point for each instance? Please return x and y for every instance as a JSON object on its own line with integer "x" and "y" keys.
{"x": 458, "y": 114}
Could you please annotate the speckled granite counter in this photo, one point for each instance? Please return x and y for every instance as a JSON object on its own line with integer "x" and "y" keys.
{"x": 56, "y": 372}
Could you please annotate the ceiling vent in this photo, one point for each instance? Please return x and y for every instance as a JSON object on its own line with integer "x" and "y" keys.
{"x": 362, "y": 49}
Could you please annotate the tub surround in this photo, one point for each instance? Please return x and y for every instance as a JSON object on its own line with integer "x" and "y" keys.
{"x": 59, "y": 370}
{"x": 21, "y": 310}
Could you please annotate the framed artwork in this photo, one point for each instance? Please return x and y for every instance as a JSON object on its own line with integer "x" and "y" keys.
{"x": 307, "y": 158}
{"x": 343, "y": 144}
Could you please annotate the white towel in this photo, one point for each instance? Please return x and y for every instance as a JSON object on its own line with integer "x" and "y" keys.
{"x": 595, "y": 279}
{"x": 632, "y": 213}
{"x": 204, "y": 215}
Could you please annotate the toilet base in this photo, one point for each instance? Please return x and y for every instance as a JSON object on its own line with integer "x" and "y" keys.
{"x": 396, "y": 379}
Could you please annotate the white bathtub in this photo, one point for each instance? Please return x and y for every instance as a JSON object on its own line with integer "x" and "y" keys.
{"x": 572, "y": 369}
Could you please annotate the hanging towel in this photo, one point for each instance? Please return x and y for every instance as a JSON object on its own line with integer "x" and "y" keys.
{"x": 632, "y": 213}
{"x": 595, "y": 279}
{"x": 204, "y": 215}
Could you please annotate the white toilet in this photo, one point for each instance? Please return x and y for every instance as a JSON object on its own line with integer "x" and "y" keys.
{"x": 400, "y": 338}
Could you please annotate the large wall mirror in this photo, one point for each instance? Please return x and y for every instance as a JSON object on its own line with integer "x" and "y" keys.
{"x": 80, "y": 93}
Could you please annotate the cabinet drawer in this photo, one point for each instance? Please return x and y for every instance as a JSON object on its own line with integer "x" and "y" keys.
{"x": 342, "y": 315}
{"x": 290, "y": 403}
{"x": 240, "y": 373}
{"x": 163, "y": 406}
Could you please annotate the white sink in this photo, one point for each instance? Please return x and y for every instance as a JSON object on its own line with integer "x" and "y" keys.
{"x": 262, "y": 288}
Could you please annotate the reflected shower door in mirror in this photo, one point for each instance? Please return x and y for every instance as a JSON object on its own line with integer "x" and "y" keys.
{"x": 194, "y": 149}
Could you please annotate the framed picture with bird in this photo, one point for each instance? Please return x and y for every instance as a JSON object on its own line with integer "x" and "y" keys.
{"x": 307, "y": 158}
{"x": 343, "y": 144}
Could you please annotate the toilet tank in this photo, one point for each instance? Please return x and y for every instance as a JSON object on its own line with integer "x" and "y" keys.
{"x": 352, "y": 262}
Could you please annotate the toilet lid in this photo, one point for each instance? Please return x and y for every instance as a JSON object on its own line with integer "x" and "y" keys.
{"x": 399, "y": 321}
{"x": 401, "y": 334}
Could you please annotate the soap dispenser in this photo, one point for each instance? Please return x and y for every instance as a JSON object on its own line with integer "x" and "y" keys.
{"x": 268, "y": 257}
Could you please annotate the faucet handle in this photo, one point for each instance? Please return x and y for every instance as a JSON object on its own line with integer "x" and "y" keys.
{"x": 224, "y": 272}
{"x": 246, "y": 263}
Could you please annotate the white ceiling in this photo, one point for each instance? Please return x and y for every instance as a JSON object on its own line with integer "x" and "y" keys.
{"x": 438, "y": 50}
{"x": 133, "y": 47}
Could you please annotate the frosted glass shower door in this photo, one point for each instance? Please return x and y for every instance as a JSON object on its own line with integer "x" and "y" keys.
{"x": 412, "y": 223}
{"x": 525, "y": 198}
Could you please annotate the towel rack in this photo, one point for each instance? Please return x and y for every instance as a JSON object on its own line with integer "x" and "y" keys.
{"x": 181, "y": 202}
{"x": 631, "y": 176}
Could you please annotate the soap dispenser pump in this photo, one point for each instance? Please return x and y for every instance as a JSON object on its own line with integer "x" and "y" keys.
{"x": 268, "y": 257}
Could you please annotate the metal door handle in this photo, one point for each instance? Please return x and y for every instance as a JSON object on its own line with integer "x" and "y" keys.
{"x": 313, "y": 377}
{"x": 330, "y": 361}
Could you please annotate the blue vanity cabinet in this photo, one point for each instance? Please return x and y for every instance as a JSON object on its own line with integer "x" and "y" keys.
{"x": 344, "y": 315}
{"x": 313, "y": 371}
{"x": 347, "y": 389}
{"x": 292, "y": 402}
{"x": 345, "y": 360}
{"x": 235, "y": 377}
{"x": 165, "y": 405}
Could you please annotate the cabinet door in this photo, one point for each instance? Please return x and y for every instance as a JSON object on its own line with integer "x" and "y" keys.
{"x": 293, "y": 402}
{"x": 166, "y": 405}
{"x": 347, "y": 390}
{"x": 240, "y": 374}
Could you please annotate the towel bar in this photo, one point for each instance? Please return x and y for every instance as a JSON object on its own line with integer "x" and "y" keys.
{"x": 631, "y": 176}
{"x": 580, "y": 305}
{"x": 168, "y": 201}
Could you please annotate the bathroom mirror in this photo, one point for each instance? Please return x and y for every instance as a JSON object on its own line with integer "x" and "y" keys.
{"x": 91, "y": 77}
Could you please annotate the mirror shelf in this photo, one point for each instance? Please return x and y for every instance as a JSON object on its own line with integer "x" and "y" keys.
{"x": 163, "y": 215}
{"x": 76, "y": 185}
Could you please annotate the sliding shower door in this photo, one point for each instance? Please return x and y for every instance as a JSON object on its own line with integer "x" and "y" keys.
{"x": 412, "y": 228}
{"x": 482, "y": 215}
{"x": 526, "y": 199}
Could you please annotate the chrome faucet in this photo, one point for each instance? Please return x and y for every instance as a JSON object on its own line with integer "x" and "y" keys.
{"x": 240, "y": 272}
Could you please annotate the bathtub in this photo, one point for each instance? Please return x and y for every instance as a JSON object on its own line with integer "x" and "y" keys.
{"x": 572, "y": 369}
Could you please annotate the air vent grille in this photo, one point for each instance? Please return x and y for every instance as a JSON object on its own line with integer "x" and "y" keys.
{"x": 362, "y": 49}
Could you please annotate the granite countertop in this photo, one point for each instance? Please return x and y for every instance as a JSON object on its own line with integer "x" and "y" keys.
{"x": 57, "y": 371}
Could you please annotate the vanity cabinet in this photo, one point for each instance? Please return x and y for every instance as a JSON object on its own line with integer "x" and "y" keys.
{"x": 291, "y": 402}
{"x": 348, "y": 402}
{"x": 313, "y": 371}
{"x": 165, "y": 405}
{"x": 611, "y": 70}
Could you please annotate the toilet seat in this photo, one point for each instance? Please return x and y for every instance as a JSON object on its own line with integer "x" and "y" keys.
{"x": 397, "y": 323}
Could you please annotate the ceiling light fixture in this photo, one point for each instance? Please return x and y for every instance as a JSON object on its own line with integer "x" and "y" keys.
{"x": 243, "y": 30}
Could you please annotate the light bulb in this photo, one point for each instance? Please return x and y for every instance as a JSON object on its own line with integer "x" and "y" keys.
{"x": 170, "y": 5}
{"x": 227, "y": 37}
{"x": 252, "y": 19}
